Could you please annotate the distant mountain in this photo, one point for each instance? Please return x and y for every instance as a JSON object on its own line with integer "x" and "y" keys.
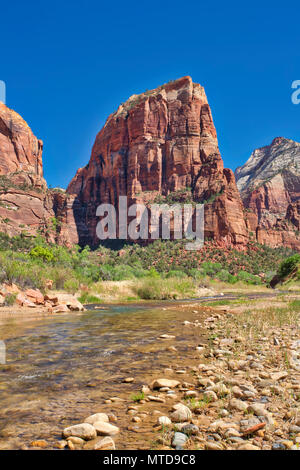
{"x": 269, "y": 183}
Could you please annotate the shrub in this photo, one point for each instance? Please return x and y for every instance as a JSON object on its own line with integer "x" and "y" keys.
{"x": 153, "y": 273}
{"x": 211, "y": 269}
{"x": 248, "y": 278}
{"x": 176, "y": 274}
{"x": 288, "y": 266}
{"x": 225, "y": 276}
{"x": 42, "y": 252}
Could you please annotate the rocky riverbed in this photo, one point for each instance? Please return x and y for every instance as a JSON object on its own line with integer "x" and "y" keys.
{"x": 220, "y": 377}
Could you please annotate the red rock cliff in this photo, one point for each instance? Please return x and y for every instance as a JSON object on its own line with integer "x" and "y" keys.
{"x": 26, "y": 204}
{"x": 160, "y": 143}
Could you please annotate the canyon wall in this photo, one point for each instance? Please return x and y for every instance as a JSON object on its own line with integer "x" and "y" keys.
{"x": 27, "y": 206}
{"x": 159, "y": 146}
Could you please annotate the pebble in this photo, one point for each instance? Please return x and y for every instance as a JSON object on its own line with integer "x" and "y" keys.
{"x": 239, "y": 405}
{"x": 61, "y": 444}
{"x": 164, "y": 421}
{"x": 39, "y": 443}
{"x": 182, "y": 413}
{"x": 190, "y": 429}
{"x": 156, "y": 399}
{"x": 213, "y": 446}
{"x": 190, "y": 394}
{"x": 179, "y": 439}
{"x": 76, "y": 441}
{"x": 105, "y": 444}
{"x": 257, "y": 408}
{"x": 278, "y": 446}
{"x": 248, "y": 446}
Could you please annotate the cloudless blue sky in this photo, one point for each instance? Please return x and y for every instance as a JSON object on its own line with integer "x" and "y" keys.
{"x": 68, "y": 65}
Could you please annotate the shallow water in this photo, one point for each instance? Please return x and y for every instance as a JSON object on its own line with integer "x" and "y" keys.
{"x": 59, "y": 369}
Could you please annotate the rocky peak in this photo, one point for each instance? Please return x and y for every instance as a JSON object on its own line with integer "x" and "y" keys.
{"x": 281, "y": 156}
{"x": 156, "y": 144}
{"x": 20, "y": 150}
{"x": 26, "y": 204}
{"x": 269, "y": 183}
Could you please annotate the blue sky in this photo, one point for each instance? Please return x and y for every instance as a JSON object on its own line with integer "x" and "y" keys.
{"x": 68, "y": 65}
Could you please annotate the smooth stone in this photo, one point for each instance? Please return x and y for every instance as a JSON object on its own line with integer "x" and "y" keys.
{"x": 213, "y": 446}
{"x": 40, "y": 443}
{"x": 179, "y": 439}
{"x": 105, "y": 429}
{"x": 85, "y": 430}
{"x": 164, "y": 421}
{"x": 236, "y": 404}
{"x": 97, "y": 417}
{"x": 76, "y": 441}
{"x": 105, "y": 444}
{"x": 190, "y": 394}
{"x": 160, "y": 383}
{"x": 257, "y": 409}
{"x": 156, "y": 399}
{"x": 182, "y": 413}
{"x": 248, "y": 446}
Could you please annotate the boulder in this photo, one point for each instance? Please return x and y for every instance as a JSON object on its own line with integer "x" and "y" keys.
{"x": 35, "y": 296}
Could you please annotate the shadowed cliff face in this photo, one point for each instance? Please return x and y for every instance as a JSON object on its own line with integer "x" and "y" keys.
{"x": 270, "y": 188}
{"x": 160, "y": 143}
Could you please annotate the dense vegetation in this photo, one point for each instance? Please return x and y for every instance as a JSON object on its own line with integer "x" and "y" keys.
{"x": 29, "y": 262}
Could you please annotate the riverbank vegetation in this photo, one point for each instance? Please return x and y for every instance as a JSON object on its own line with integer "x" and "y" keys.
{"x": 161, "y": 270}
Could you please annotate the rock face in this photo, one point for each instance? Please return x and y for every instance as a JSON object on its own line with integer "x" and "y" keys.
{"x": 161, "y": 143}
{"x": 26, "y": 204}
{"x": 159, "y": 146}
{"x": 20, "y": 150}
{"x": 269, "y": 183}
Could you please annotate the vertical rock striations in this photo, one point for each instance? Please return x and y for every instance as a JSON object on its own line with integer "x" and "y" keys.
{"x": 26, "y": 204}
{"x": 161, "y": 143}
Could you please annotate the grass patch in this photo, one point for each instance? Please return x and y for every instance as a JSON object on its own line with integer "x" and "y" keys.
{"x": 87, "y": 298}
{"x": 137, "y": 397}
{"x": 165, "y": 289}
